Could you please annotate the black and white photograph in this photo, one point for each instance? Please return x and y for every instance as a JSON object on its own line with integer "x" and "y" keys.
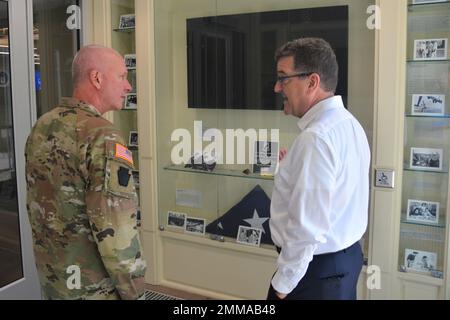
{"x": 130, "y": 102}
{"x": 426, "y": 159}
{"x": 426, "y": 1}
{"x": 428, "y": 104}
{"x": 133, "y": 139}
{"x": 127, "y": 21}
{"x": 265, "y": 157}
{"x": 195, "y": 226}
{"x": 136, "y": 178}
{"x": 423, "y": 211}
{"x": 249, "y": 236}
{"x": 176, "y": 219}
{"x": 130, "y": 61}
{"x": 430, "y": 49}
{"x": 422, "y": 261}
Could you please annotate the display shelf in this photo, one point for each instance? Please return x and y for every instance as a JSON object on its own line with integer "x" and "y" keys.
{"x": 219, "y": 172}
{"x": 445, "y": 116}
{"x": 435, "y": 5}
{"x": 408, "y": 168}
{"x": 411, "y": 61}
{"x": 126, "y": 30}
{"x": 440, "y": 225}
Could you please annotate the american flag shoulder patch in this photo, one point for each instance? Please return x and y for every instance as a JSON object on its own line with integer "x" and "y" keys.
{"x": 123, "y": 153}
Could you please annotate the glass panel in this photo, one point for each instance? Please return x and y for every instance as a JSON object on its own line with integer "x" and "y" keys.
{"x": 123, "y": 40}
{"x": 214, "y": 64}
{"x": 10, "y": 247}
{"x": 427, "y": 137}
{"x": 56, "y": 40}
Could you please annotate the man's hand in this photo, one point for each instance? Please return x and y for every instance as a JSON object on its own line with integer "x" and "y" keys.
{"x": 282, "y": 154}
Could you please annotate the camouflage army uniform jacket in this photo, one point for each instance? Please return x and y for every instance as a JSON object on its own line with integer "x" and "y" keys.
{"x": 82, "y": 206}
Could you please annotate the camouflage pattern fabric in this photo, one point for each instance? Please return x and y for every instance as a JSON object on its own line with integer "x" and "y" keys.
{"x": 82, "y": 206}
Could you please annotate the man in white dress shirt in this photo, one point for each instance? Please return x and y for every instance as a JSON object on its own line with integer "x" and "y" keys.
{"x": 319, "y": 207}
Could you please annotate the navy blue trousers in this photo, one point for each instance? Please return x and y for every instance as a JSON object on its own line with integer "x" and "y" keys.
{"x": 330, "y": 276}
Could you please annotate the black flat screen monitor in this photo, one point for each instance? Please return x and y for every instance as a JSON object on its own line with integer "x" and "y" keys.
{"x": 231, "y": 57}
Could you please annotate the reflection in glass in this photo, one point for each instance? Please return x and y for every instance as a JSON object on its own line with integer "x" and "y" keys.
{"x": 10, "y": 250}
{"x": 55, "y": 46}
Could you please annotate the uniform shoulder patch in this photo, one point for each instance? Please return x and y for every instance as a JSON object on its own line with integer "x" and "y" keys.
{"x": 123, "y": 153}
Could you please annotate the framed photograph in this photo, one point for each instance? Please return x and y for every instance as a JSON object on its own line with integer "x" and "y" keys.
{"x": 133, "y": 139}
{"x": 421, "y": 261}
{"x": 430, "y": 49}
{"x": 265, "y": 157}
{"x": 249, "y": 236}
{"x": 130, "y": 61}
{"x": 423, "y": 211}
{"x": 127, "y": 21}
{"x": 195, "y": 226}
{"x": 428, "y": 104}
{"x": 426, "y": 159}
{"x": 426, "y": 1}
{"x": 130, "y": 102}
{"x": 176, "y": 219}
{"x": 135, "y": 174}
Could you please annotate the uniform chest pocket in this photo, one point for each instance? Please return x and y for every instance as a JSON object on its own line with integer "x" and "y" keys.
{"x": 119, "y": 179}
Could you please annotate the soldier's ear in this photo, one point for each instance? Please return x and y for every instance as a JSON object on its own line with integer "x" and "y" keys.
{"x": 96, "y": 78}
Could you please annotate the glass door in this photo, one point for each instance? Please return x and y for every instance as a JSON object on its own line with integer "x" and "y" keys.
{"x": 18, "y": 279}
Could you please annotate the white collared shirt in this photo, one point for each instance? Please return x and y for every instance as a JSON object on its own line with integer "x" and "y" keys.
{"x": 321, "y": 192}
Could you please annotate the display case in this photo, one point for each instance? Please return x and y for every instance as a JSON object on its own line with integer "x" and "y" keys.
{"x": 214, "y": 79}
{"x": 423, "y": 249}
{"x": 123, "y": 39}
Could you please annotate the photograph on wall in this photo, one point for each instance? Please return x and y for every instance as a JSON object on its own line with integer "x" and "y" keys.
{"x": 428, "y": 104}
{"x": 249, "y": 236}
{"x": 265, "y": 157}
{"x": 426, "y": 1}
{"x": 430, "y": 49}
{"x": 176, "y": 219}
{"x": 422, "y": 261}
{"x": 426, "y": 159}
{"x": 127, "y": 21}
{"x": 133, "y": 139}
{"x": 130, "y": 61}
{"x": 423, "y": 211}
{"x": 135, "y": 174}
{"x": 130, "y": 102}
{"x": 195, "y": 226}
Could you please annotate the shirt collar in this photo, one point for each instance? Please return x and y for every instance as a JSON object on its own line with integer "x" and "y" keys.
{"x": 75, "y": 103}
{"x": 333, "y": 102}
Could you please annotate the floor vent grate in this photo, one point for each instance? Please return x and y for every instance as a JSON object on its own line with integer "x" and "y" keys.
{"x": 153, "y": 295}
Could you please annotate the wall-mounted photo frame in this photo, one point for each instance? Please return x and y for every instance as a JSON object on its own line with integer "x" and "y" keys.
{"x": 127, "y": 21}
{"x": 426, "y": 159}
{"x": 176, "y": 219}
{"x": 195, "y": 226}
{"x": 133, "y": 139}
{"x": 249, "y": 236}
{"x": 130, "y": 102}
{"x": 422, "y": 211}
{"x": 430, "y": 49}
{"x": 420, "y": 261}
{"x": 428, "y": 104}
{"x": 130, "y": 61}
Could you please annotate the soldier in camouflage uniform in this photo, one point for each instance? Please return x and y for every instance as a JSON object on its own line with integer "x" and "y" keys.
{"x": 81, "y": 198}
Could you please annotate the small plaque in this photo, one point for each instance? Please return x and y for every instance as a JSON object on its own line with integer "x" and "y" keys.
{"x": 384, "y": 178}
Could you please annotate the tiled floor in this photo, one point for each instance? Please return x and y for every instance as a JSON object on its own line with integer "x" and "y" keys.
{"x": 176, "y": 293}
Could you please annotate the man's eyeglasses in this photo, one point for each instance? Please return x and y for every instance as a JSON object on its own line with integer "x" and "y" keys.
{"x": 282, "y": 79}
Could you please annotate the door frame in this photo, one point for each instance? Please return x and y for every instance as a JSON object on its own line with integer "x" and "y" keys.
{"x": 24, "y": 112}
